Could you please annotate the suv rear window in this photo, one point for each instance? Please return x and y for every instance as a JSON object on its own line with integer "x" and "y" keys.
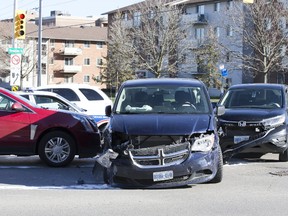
{"x": 91, "y": 94}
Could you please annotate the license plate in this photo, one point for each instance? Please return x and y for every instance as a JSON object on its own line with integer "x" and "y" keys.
{"x": 238, "y": 139}
{"x": 162, "y": 176}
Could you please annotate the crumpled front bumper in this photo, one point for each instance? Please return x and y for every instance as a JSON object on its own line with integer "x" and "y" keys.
{"x": 199, "y": 167}
{"x": 273, "y": 140}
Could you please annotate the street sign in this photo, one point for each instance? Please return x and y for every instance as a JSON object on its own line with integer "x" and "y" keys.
{"x": 224, "y": 72}
{"x": 15, "y": 68}
{"x": 15, "y": 51}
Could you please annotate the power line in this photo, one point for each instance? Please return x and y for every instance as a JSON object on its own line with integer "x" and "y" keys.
{"x": 12, "y": 6}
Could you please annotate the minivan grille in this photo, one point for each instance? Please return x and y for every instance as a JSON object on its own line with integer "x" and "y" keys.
{"x": 160, "y": 156}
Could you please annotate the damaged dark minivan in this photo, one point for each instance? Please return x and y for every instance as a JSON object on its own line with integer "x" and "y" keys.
{"x": 255, "y": 120}
{"x": 162, "y": 133}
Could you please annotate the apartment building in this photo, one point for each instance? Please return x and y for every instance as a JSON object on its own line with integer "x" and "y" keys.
{"x": 59, "y": 18}
{"x": 69, "y": 54}
{"x": 205, "y": 14}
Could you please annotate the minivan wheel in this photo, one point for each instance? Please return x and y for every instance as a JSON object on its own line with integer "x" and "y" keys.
{"x": 57, "y": 149}
{"x": 283, "y": 157}
{"x": 219, "y": 175}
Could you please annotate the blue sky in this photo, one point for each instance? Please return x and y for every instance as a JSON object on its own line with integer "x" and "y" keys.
{"x": 74, "y": 7}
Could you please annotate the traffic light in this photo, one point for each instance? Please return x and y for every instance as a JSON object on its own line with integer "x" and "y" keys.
{"x": 20, "y": 25}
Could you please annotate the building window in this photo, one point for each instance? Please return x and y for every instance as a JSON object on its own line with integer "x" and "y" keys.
{"x": 68, "y": 61}
{"x": 200, "y": 9}
{"x": 228, "y": 56}
{"x": 51, "y": 60}
{"x": 86, "y": 78}
{"x": 124, "y": 16}
{"x": 199, "y": 34}
{"x": 268, "y": 23}
{"x": 99, "y": 61}
{"x": 282, "y": 23}
{"x": 86, "y": 44}
{"x": 217, "y": 31}
{"x": 217, "y": 6}
{"x": 229, "y": 4}
{"x": 136, "y": 18}
{"x": 229, "y": 31}
{"x": 69, "y": 43}
{"x": 151, "y": 14}
{"x": 68, "y": 79}
{"x": 86, "y": 61}
{"x": 183, "y": 58}
{"x": 52, "y": 42}
{"x": 43, "y": 68}
{"x": 25, "y": 59}
{"x": 283, "y": 50}
{"x": 99, "y": 44}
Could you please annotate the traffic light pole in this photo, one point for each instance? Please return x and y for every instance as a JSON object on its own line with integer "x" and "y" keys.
{"x": 14, "y": 45}
{"x": 39, "y": 45}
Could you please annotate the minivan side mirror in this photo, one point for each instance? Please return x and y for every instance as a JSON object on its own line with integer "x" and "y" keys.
{"x": 220, "y": 110}
{"x": 108, "y": 110}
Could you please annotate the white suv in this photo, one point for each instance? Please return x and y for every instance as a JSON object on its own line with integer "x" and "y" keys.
{"x": 87, "y": 97}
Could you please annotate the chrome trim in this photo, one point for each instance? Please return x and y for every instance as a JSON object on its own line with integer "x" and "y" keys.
{"x": 33, "y": 129}
{"x": 161, "y": 159}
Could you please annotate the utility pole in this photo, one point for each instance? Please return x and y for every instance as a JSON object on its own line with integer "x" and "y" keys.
{"x": 39, "y": 45}
{"x": 14, "y": 14}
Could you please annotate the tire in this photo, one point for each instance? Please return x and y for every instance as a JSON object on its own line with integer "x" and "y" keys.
{"x": 219, "y": 174}
{"x": 57, "y": 149}
{"x": 283, "y": 157}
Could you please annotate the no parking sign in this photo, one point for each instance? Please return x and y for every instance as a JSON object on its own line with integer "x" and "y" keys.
{"x": 15, "y": 65}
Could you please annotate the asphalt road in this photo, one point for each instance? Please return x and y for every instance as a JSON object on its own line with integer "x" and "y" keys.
{"x": 249, "y": 187}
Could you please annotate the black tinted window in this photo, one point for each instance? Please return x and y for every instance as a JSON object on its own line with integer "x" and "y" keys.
{"x": 67, "y": 93}
{"x": 91, "y": 94}
{"x": 25, "y": 96}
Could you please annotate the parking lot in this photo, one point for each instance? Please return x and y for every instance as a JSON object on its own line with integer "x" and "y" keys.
{"x": 25, "y": 172}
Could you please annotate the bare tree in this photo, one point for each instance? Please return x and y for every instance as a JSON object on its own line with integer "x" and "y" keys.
{"x": 4, "y": 56}
{"x": 208, "y": 55}
{"x": 151, "y": 37}
{"x": 262, "y": 26}
{"x": 120, "y": 53}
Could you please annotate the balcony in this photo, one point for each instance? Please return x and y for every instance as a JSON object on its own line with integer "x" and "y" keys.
{"x": 72, "y": 69}
{"x": 195, "y": 18}
{"x": 71, "y": 51}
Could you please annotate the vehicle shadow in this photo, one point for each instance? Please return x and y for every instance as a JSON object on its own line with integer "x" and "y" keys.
{"x": 252, "y": 158}
{"x": 27, "y": 172}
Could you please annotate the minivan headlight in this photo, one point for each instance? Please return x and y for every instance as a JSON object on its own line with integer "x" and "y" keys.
{"x": 84, "y": 122}
{"x": 203, "y": 143}
{"x": 274, "y": 122}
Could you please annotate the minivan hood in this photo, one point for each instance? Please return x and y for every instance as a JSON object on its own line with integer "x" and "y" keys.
{"x": 160, "y": 124}
{"x": 250, "y": 114}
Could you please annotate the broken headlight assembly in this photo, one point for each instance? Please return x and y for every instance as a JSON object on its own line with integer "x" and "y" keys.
{"x": 203, "y": 143}
{"x": 274, "y": 122}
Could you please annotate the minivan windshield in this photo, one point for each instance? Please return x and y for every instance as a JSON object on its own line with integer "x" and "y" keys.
{"x": 162, "y": 99}
{"x": 264, "y": 98}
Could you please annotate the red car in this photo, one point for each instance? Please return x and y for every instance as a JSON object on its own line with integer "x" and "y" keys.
{"x": 56, "y": 136}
